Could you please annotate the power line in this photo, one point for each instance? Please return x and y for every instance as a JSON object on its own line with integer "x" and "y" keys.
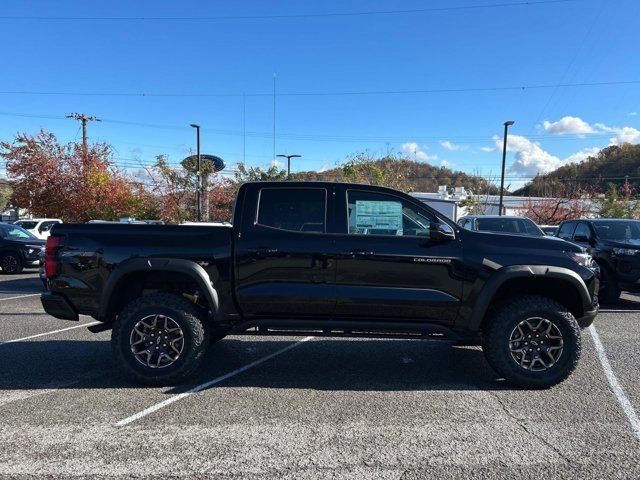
{"x": 328, "y": 93}
{"x": 291, "y": 16}
{"x": 320, "y": 137}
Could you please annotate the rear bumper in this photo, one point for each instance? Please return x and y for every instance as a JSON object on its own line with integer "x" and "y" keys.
{"x": 58, "y": 306}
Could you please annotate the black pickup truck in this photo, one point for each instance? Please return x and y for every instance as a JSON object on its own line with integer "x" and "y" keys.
{"x": 329, "y": 258}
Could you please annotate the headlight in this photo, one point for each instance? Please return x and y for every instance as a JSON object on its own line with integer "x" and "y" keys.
{"x": 626, "y": 251}
{"x": 583, "y": 259}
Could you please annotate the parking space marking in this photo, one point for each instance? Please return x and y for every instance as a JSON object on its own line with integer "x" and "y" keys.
{"x": 615, "y": 385}
{"x": 19, "y": 296}
{"x": 612, "y": 310}
{"x": 48, "y": 333}
{"x": 202, "y": 386}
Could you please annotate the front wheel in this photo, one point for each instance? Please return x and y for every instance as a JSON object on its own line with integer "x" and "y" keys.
{"x": 159, "y": 339}
{"x": 11, "y": 263}
{"x": 533, "y": 342}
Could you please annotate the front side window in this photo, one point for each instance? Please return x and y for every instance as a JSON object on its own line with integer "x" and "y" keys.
{"x": 380, "y": 214}
{"x": 26, "y": 224}
{"x": 293, "y": 209}
{"x": 566, "y": 229}
{"x": 582, "y": 231}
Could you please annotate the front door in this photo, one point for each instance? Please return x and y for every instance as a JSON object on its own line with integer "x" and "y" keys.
{"x": 284, "y": 257}
{"x": 388, "y": 264}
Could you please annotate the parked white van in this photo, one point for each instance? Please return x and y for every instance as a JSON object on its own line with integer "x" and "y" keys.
{"x": 40, "y": 227}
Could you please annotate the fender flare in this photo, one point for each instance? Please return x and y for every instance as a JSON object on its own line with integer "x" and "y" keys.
{"x": 134, "y": 265}
{"x": 505, "y": 274}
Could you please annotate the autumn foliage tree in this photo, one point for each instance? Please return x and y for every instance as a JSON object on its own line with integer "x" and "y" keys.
{"x": 54, "y": 180}
{"x": 552, "y": 211}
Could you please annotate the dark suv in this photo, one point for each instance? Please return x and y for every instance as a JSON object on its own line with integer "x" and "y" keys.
{"x": 19, "y": 248}
{"x": 615, "y": 245}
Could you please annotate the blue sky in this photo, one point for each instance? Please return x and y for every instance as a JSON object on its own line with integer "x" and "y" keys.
{"x": 581, "y": 41}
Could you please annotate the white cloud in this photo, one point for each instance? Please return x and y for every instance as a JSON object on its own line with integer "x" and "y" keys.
{"x": 276, "y": 163}
{"x": 414, "y": 150}
{"x": 632, "y": 114}
{"x": 445, "y": 163}
{"x": 568, "y": 125}
{"x": 488, "y": 149}
{"x": 452, "y": 147}
{"x": 625, "y": 135}
{"x": 582, "y": 155}
{"x": 531, "y": 158}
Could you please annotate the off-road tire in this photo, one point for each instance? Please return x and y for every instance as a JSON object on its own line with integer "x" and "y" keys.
{"x": 185, "y": 314}
{"x": 609, "y": 291}
{"x": 503, "y": 321}
{"x": 11, "y": 263}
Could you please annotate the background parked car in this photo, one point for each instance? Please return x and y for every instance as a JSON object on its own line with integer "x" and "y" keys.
{"x": 501, "y": 224}
{"x": 19, "y": 248}
{"x": 40, "y": 227}
{"x": 615, "y": 245}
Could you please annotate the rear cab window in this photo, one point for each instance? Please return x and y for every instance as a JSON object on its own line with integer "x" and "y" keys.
{"x": 293, "y": 209}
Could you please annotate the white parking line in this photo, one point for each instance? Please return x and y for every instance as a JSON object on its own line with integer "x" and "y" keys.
{"x": 48, "y": 333}
{"x": 19, "y": 296}
{"x": 612, "y": 310}
{"x": 615, "y": 385}
{"x": 202, "y": 386}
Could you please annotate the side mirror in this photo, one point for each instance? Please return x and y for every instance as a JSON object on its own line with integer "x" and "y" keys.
{"x": 441, "y": 232}
{"x": 582, "y": 239}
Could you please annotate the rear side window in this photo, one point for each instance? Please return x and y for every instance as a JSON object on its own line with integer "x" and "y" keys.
{"x": 293, "y": 209}
{"x": 566, "y": 229}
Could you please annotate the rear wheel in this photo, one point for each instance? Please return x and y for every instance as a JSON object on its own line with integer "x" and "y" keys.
{"x": 159, "y": 339}
{"x": 533, "y": 342}
{"x": 11, "y": 263}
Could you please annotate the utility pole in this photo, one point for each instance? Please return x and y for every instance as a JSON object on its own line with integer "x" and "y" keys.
{"x": 504, "y": 158}
{"x": 289, "y": 157}
{"x": 274, "y": 116}
{"x": 84, "y": 119}
{"x": 198, "y": 175}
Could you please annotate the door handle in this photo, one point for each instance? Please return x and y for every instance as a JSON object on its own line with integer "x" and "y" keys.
{"x": 263, "y": 251}
{"x": 358, "y": 253}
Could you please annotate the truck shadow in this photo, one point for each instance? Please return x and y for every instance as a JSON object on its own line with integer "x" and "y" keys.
{"x": 321, "y": 364}
{"x": 20, "y": 286}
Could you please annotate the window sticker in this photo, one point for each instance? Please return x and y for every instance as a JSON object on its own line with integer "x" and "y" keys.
{"x": 376, "y": 215}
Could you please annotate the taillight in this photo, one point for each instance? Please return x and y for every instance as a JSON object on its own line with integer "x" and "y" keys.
{"x": 50, "y": 256}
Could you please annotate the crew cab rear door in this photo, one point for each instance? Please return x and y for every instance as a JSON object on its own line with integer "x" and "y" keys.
{"x": 284, "y": 253}
{"x": 388, "y": 264}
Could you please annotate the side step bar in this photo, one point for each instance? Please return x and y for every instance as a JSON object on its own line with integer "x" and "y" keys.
{"x": 341, "y": 328}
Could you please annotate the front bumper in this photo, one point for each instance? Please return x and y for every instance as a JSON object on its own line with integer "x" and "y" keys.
{"x": 58, "y": 306}
{"x": 588, "y": 317}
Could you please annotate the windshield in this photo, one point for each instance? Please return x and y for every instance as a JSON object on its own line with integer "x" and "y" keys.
{"x": 15, "y": 232}
{"x": 618, "y": 230}
{"x": 518, "y": 226}
{"x": 26, "y": 224}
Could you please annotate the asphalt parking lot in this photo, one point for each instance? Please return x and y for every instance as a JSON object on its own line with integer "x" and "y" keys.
{"x": 279, "y": 407}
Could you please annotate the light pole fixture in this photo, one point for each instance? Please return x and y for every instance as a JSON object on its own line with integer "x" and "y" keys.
{"x": 504, "y": 158}
{"x": 288, "y": 157}
{"x": 198, "y": 176}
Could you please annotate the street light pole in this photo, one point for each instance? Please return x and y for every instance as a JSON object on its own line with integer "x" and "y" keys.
{"x": 504, "y": 158}
{"x": 198, "y": 176}
{"x": 288, "y": 157}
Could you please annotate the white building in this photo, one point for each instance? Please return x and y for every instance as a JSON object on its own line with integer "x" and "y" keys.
{"x": 449, "y": 202}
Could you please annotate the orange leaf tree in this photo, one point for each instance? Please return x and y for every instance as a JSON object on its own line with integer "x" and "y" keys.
{"x": 52, "y": 180}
